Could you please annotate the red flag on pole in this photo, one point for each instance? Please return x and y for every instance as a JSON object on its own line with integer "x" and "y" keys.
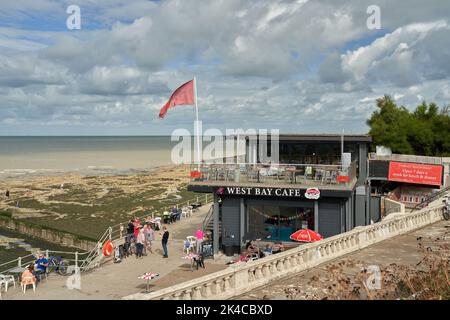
{"x": 183, "y": 95}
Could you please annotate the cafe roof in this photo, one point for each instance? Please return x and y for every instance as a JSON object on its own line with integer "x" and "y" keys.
{"x": 324, "y": 137}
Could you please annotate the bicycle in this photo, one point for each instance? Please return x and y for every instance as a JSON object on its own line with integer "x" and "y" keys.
{"x": 58, "y": 264}
{"x": 446, "y": 209}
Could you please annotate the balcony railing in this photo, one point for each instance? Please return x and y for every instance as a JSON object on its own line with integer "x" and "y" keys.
{"x": 306, "y": 174}
{"x": 406, "y": 158}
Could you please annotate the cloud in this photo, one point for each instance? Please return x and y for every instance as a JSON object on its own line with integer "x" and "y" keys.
{"x": 300, "y": 66}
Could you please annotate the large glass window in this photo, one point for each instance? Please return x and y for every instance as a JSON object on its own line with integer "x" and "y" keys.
{"x": 328, "y": 153}
{"x": 279, "y": 222}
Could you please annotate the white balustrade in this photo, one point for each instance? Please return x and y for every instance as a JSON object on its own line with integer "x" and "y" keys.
{"x": 238, "y": 279}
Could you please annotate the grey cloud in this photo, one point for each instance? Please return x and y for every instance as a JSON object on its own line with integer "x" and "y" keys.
{"x": 120, "y": 81}
{"x": 252, "y": 60}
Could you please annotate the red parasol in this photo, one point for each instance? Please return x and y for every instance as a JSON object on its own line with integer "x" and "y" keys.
{"x": 305, "y": 235}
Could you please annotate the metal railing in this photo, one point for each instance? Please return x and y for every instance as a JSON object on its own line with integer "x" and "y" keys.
{"x": 406, "y": 158}
{"x": 431, "y": 198}
{"x": 16, "y": 266}
{"x": 208, "y": 218}
{"x": 90, "y": 259}
{"x": 276, "y": 173}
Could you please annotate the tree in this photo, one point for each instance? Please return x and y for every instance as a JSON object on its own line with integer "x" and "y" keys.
{"x": 426, "y": 131}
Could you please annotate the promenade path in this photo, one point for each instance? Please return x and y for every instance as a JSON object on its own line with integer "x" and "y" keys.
{"x": 402, "y": 250}
{"x": 115, "y": 280}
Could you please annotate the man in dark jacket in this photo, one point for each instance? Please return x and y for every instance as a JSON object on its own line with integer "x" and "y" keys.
{"x": 130, "y": 229}
{"x": 164, "y": 240}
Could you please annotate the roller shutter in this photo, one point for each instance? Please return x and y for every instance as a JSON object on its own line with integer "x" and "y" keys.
{"x": 231, "y": 222}
{"x": 329, "y": 218}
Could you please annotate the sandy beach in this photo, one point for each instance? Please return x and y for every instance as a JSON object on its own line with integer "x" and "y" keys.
{"x": 87, "y": 204}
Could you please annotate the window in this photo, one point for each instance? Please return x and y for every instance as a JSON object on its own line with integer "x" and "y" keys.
{"x": 278, "y": 222}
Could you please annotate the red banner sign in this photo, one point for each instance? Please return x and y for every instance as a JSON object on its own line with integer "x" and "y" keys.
{"x": 415, "y": 173}
{"x": 196, "y": 174}
{"x": 342, "y": 179}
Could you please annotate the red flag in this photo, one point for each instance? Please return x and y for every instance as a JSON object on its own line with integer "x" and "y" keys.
{"x": 183, "y": 95}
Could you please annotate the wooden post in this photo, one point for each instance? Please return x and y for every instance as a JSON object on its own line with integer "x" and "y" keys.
{"x": 19, "y": 262}
{"x": 76, "y": 259}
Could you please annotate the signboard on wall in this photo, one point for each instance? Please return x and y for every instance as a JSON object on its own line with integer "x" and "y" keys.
{"x": 310, "y": 193}
{"x": 415, "y": 173}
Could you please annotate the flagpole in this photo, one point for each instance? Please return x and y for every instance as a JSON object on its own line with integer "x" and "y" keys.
{"x": 198, "y": 124}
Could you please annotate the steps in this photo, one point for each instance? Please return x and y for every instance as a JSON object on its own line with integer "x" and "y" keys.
{"x": 431, "y": 198}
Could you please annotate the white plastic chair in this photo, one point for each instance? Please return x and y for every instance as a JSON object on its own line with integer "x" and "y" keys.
{"x": 6, "y": 280}
{"x": 187, "y": 247}
{"x": 193, "y": 241}
{"x": 184, "y": 212}
{"x": 26, "y": 281}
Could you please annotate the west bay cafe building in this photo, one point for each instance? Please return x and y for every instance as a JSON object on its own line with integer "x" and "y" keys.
{"x": 321, "y": 182}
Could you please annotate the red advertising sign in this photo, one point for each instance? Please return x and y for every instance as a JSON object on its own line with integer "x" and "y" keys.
{"x": 415, "y": 173}
{"x": 343, "y": 179}
{"x": 196, "y": 174}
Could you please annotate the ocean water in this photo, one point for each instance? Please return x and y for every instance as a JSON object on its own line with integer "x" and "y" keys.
{"x": 47, "y": 155}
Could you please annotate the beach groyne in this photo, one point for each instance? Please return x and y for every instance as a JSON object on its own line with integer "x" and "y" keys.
{"x": 48, "y": 234}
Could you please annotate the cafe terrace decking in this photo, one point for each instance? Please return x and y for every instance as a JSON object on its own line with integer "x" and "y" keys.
{"x": 331, "y": 177}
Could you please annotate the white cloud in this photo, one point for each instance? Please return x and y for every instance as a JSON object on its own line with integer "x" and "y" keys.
{"x": 293, "y": 65}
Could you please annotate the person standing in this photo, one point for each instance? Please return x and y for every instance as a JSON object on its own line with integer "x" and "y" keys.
{"x": 164, "y": 240}
{"x": 140, "y": 241}
{"x": 149, "y": 236}
{"x": 130, "y": 230}
{"x": 199, "y": 235}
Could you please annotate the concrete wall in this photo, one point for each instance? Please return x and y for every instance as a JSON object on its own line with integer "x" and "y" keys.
{"x": 241, "y": 278}
{"x": 53, "y": 236}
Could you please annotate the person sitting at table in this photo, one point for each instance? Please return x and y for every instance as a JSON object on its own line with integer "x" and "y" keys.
{"x": 42, "y": 264}
{"x": 28, "y": 276}
{"x": 278, "y": 247}
{"x": 253, "y": 250}
{"x": 268, "y": 249}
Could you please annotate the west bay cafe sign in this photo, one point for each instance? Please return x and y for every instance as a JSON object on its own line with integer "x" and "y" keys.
{"x": 310, "y": 193}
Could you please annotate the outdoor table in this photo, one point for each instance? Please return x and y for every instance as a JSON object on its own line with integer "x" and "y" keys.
{"x": 17, "y": 271}
{"x": 193, "y": 257}
{"x": 293, "y": 171}
{"x": 166, "y": 217}
{"x": 148, "y": 276}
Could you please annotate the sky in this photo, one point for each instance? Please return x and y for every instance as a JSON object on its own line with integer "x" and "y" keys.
{"x": 297, "y": 66}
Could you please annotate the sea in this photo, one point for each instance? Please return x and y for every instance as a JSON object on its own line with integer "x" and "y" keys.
{"x": 86, "y": 155}
{"x": 22, "y": 157}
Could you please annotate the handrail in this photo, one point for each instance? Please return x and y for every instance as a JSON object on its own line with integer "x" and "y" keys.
{"x": 113, "y": 233}
{"x": 241, "y": 278}
{"x": 431, "y": 198}
{"x": 208, "y": 218}
{"x": 407, "y": 158}
{"x": 276, "y": 173}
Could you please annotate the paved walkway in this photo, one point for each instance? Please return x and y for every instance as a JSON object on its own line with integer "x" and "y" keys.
{"x": 115, "y": 280}
{"x": 401, "y": 250}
